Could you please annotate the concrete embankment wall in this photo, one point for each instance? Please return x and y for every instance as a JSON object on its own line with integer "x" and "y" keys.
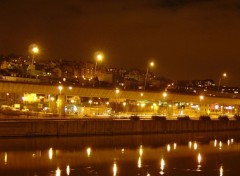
{"x": 109, "y": 127}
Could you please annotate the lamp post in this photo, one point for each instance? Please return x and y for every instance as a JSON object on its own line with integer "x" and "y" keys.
{"x": 117, "y": 92}
{"x": 98, "y": 58}
{"x": 60, "y": 100}
{"x": 151, "y": 64}
{"x": 34, "y": 50}
{"x": 201, "y": 98}
{"x": 224, "y": 75}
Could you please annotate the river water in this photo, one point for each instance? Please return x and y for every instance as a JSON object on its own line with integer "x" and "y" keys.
{"x": 148, "y": 155}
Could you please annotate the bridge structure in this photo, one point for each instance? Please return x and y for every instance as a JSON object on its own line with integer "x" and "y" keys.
{"x": 97, "y": 101}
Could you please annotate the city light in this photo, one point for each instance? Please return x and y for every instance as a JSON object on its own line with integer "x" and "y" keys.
{"x": 50, "y": 154}
{"x": 151, "y": 64}
{"x": 114, "y": 169}
{"x": 162, "y": 164}
{"x": 99, "y": 56}
{"x": 164, "y": 94}
{"x": 35, "y": 50}
{"x": 89, "y": 150}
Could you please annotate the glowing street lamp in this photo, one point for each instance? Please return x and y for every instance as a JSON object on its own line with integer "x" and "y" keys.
{"x": 151, "y": 64}
{"x": 224, "y": 75}
{"x": 34, "y": 50}
{"x": 60, "y": 88}
{"x": 117, "y": 92}
{"x": 164, "y": 94}
{"x": 98, "y": 58}
{"x": 201, "y": 98}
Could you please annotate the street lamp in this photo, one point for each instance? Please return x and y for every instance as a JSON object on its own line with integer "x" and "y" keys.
{"x": 201, "y": 98}
{"x": 60, "y": 88}
{"x": 164, "y": 94}
{"x": 224, "y": 75}
{"x": 151, "y": 64}
{"x": 117, "y": 92}
{"x": 34, "y": 50}
{"x": 98, "y": 58}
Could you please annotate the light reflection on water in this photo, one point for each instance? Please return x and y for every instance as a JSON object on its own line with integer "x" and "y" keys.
{"x": 147, "y": 155}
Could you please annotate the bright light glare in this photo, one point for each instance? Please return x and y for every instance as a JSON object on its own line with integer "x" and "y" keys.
{"x": 68, "y": 170}
{"x": 199, "y": 158}
{"x": 35, "y": 50}
{"x": 221, "y": 171}
{"x": 168, "y": 148}
{"x": 50, "y": 153}
{"x": 58, "y": 172}
{"x": 99, "y": 56}
{"x": 89, "y": 151}
{"x": 152, "y": 64}
{"x": 164, "y": 94}
{"x": 60, "y": 88}
{"x": 114, "y": 169}
{"x": 139, "y": 162}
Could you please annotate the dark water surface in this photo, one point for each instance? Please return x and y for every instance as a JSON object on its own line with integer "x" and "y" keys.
{"x": 149, "y": 155}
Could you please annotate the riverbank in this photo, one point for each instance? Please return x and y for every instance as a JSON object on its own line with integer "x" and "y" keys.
{"x": 94, "y": 127}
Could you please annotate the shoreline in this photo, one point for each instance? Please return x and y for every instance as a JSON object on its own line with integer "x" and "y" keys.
{"x": 109, "y": 127}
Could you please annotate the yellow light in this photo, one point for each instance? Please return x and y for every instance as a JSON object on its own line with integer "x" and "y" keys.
{"x": 60, "y": 88}
{"x": 5, "y": 158}
{"x": 215, "y": 143}
{"x": 168, "y": 148}
{"x": 201, "y": 97}
{"x": 151, "y": 64}
{"x": 165, "y": 94}
{"x": 195, "y": 146}
{"x": 199, "y": 158}
{"x": 35, "y": 50}
{"x": 139, "y": 162}
{"x": 141, "y": 94}
{"x": 50, "y": 153}
{"x": 89, "y": 150}
{"x": 221, "y": 171}
{"x": 124, "y": 103}
{"x": 117, "y": 91}
{"x": 220, "y": 145}
{"x": 162, "y": 164}
{"x": 99, "y": 56}
{"x": 224, "y": 75}
{"x": 114, "y": 169}
{"x": 68, "y": 170}
{"x": 174, "y": 146}
{"x": 190, "y": 144}
{"x": 58, "y": 172}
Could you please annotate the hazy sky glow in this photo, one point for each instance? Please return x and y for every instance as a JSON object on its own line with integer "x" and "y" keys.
{"x": 189, "y": 39}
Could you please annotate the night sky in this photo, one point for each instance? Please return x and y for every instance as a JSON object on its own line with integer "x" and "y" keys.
{"x": 188, "y": 39}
